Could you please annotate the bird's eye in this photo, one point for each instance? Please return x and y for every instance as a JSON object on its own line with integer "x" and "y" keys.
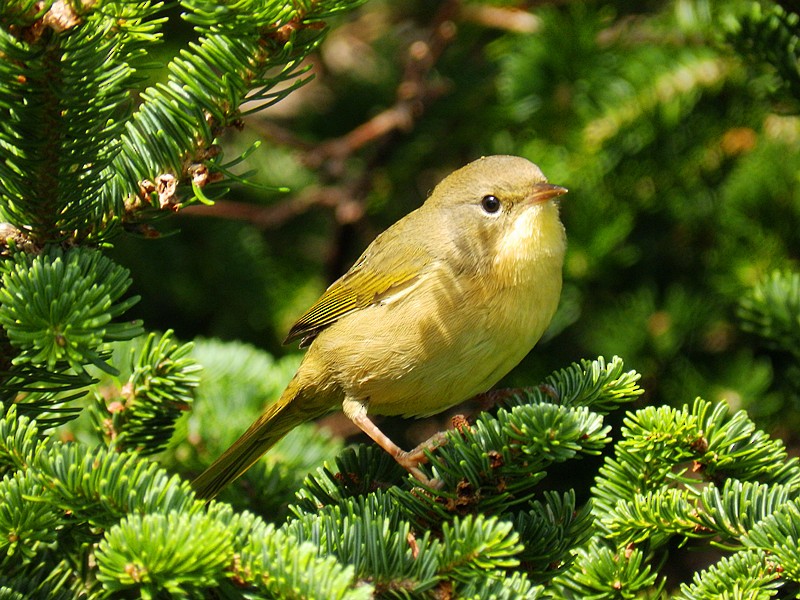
{"x": 490, "y": 204}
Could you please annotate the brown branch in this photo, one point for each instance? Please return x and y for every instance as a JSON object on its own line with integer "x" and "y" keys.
{"x": 272, "y": 216}
{"x": 414, "y": 93}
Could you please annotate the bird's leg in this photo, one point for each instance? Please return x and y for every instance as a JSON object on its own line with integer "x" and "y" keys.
{"x": 410, "y": 461}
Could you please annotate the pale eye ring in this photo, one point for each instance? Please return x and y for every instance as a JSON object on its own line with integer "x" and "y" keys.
{"x": 490, "y": 204}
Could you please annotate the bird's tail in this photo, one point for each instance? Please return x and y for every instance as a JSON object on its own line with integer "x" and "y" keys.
{"x": 276, "y": 421}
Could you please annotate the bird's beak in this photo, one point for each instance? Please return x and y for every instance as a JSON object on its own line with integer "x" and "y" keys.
{"x": 542, "y": 192}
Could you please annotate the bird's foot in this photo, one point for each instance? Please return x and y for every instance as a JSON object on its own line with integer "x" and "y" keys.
{"x": 411, "y": 460}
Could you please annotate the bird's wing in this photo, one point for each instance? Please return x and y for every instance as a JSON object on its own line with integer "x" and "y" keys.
{"x": 376, "y": 277}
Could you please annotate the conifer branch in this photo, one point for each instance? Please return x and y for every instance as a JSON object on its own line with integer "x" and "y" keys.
{"x": 744, "y": 574}
{"x": 769, "y": 34}
{"x": 771, "y": 310}
{"x": 140, "y": 413}
{"x": 249, "y": 53}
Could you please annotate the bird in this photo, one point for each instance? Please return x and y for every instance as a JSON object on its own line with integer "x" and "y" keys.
{"x": 438, "y": 308}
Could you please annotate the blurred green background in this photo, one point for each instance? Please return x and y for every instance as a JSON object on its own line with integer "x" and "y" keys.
{"x": 674, "y": 127}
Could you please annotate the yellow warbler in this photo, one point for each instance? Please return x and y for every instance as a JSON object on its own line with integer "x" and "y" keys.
{"x": 439, "y": 307}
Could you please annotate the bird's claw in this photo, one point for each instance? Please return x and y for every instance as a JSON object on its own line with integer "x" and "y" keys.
{"x": 411, "y": 460}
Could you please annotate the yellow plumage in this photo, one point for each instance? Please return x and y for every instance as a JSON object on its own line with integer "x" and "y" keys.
{"x": 438, "y": 308}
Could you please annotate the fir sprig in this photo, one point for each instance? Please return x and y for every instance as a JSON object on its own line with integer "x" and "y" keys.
{"x": 369, "y": 533}
{"x": 752, "y": 574}
{"x": 19, "y": 441}
{"x": 28, "y": 532}
{"x": 71, "y": 72}
{"x": 279, "y": 566}
{"x": 597, "y": 384}
{"x": 665, "y": 447}
{"x": 768, "y": 33}
{"x": 140, "y": 413}
{"x": 58, "y": 308}
{"x": 51, "y": 579}
{"x": 550, "y": 531}
{"x": 699, "y": 473}
{"x": 179, "y": 553}
{"x": 732, "y": 511}
{"x": 771, "y": 310}
{"x": 779, "y": 534}
{"x": 247, "y": 51}
{"x": 508, "y": 587}
{"x": 653, "y": 518}
{"x": 471, "y": 544}
{"x": 499, "y": 461}
{"x": 101, "y": 486}
{"x": 603, "y": 572}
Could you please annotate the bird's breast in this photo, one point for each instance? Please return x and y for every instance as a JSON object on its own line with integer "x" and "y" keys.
{"x": 447, "y": 339}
